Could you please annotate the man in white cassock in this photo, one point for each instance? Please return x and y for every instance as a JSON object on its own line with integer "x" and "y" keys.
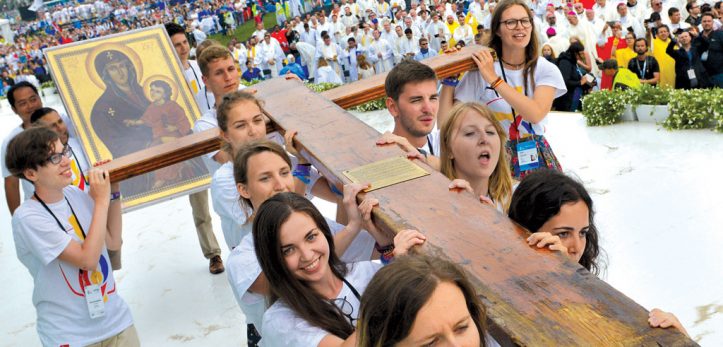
{"x": 437, "y": 32}
{"x": 349, "y": 60}
{"x": 381, "y": 54}
{"x": 331, "y": 52}
{"x": 408, "y": 45}
{"x": 308, "y": 57}
{"x": 271, "y": 56}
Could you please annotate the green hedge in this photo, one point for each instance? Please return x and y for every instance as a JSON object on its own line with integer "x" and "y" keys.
{"x": 689, "y": 109}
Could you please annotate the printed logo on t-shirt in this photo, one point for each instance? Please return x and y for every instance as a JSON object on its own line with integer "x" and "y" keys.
{"x": 78, "y": 180}
{"x": 99, "y": 276}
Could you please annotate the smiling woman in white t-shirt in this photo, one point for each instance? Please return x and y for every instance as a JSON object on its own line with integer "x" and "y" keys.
{"x": 315, "y": 295}
{"x": 515, "y": 83}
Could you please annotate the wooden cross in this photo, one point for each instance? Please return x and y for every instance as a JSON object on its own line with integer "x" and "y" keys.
{"x": 532, "y": 298}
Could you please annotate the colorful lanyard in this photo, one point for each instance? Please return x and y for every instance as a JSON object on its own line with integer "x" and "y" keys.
{"x": 56, "y": 218}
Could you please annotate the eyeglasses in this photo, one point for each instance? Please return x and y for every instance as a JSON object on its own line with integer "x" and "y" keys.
{"x": 346, "y": 308}
{"x": 512, "y": 23}
{"x": 55, "y": 158}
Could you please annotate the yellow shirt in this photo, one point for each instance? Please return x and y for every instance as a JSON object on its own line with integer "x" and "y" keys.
{"x": 472, "y": 21}
{"x": 666, "y": 63}
{"x": 624, "y": 55}
{"x": 451, "y": 28}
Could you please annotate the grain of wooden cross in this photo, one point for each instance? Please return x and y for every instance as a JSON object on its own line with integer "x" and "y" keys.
{"x": 533, "y": 298}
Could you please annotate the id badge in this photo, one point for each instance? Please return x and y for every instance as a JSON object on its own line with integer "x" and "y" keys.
{"x": 527, "y": 156}
{"x": 94, "y": 299}
{"x": 691, "y": 74}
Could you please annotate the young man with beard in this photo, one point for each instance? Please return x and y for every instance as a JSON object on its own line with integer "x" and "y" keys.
{"x": 413, "y": 102}
{"x": 644, "y": 66}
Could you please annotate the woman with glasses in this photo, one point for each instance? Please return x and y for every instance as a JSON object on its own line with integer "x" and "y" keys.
{"x": 512, "y": 80}
{"x": 62, "y": 235}
{"x": 315, "y": 296}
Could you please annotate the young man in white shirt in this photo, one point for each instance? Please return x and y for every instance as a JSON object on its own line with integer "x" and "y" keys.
{"x": 61, "y": 236}
{"x": 413, "y": 101}
{"x": 199, "y": 200}
{"x": 24, "y": 100}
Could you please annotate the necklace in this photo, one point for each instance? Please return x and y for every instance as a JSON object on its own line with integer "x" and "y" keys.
{"x": 514, "y": 66}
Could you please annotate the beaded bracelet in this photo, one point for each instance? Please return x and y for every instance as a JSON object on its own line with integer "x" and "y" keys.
{"x": 115, "y": 196}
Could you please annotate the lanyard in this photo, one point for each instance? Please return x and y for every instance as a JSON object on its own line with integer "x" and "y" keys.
{"x": 353, "y": 290}
{"x": 641, "y": 72}
{"x": 429, "y": 143}
{"x": 514, "y": 114}
{"x": 56, "y": 218}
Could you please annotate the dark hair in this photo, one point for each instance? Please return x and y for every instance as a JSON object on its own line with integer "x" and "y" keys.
{"x": 398, "y": 291}
{"x": 40, "y": 113}
{"x": 15, "y": 87}
{"x": 163, "y": 85}
{"x": 689, "y": 5}
{"x": 539, "y": 197}
{"x": 229, "y": 101}
{"x": 531, "y": 51}
{"x": 407, "y": 71}
{"x": 304, "y": 301}
{"x": 610, "y": 64}
{"x": 709, "y": 14}
{"x": 672, "y": 10}
{"x": 241, "y": 159}
{"x": 575, "y": 48}
{"x": 664, "y": 26}
{"x": 173, "y": 29}
{"x": 29, "y": 150}
{"x": 642, "y": 39}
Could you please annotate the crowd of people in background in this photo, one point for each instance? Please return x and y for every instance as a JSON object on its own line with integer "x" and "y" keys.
{"x": 670, "y": 43}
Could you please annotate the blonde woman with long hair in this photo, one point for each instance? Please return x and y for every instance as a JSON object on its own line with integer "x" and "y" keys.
{"x": 473, "y": 154}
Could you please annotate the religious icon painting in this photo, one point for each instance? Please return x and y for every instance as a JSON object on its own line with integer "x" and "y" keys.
{"x": 125, "y": 93}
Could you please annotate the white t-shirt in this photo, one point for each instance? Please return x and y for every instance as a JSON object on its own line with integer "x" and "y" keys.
{"x": 209, "y": 121}
{"x": 473, "y": 87}
{"x": 27, "y": 187}
{"x": 432, "y": 145}
{"x": 204, "y": 98}
{"x": 225, "y": 202}
{"x": 282, "y": 327}
{"x": 58, "y": 294}
{"x": 243, "y": 268}
{"x": 206, "y": 122}
{"x": 225, "y": 198}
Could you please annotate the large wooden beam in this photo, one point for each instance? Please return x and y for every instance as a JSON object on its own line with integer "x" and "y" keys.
{"x": 346, "y": 96}
{"x": 532, "y": 298}
{"x": 357, "y": 93}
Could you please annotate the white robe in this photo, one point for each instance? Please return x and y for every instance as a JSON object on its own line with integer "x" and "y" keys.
{"x": 382, "y": 55}
{"x": 438, "y": 32}
{"x": 326, "y": 74}
{"x": 270, "y": 51}
{"x": 331, "y": 53}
